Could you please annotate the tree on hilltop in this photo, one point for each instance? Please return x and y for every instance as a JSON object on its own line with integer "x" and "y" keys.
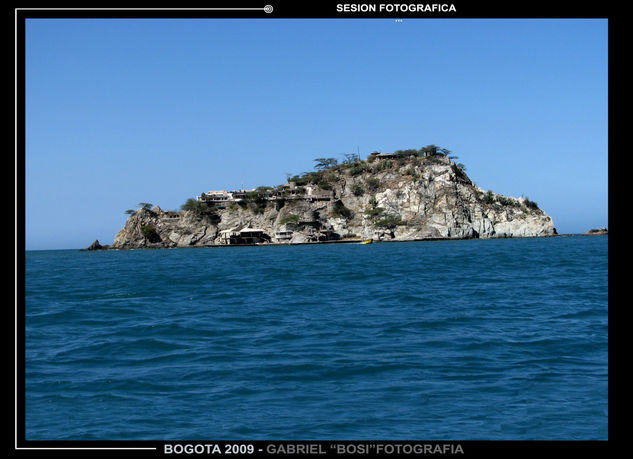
{"x": 351, "y": 158}
{"x": 325, "y": 163}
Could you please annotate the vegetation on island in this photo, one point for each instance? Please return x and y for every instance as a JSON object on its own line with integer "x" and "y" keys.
{"x": 150, "y": 234}
{"x": 499, "y": 201}
{"x": 329, "y": 172}
{"x": 201, "y": 209}
{"x": 340, "y": 211}
{"x": 290, "y": 219}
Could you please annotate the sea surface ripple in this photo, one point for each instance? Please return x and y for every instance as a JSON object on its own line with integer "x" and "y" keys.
{"x": 471, "y": 340}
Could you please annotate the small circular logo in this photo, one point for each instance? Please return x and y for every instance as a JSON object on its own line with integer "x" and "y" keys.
{"x": 268, "y": 9}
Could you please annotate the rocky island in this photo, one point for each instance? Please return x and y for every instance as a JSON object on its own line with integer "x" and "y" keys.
{"x": 401, "y": 196}
{"x": 596, "y": 232}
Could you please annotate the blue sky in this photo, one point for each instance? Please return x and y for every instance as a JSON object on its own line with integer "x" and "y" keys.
{"x": 122, "y": 111}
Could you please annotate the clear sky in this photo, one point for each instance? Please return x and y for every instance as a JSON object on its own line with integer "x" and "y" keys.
{"x": 122, "y": 111}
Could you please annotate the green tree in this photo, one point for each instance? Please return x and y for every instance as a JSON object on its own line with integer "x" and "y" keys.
{"x": 201, "y": 209}
{"x": 191, "y": 204}
{"x": 373, "y": 184}
{"x": 339, "y": 210}
{"x": 530, "y": 204}
{"x": 374, "y": 212}
{"x": 325, "y": 163}
{"x": 390, "y": 222}
{"x": 149, "y": 233}
{"x": 489, "y": 197}
{"x": 292, "y": 218}
{"x": 358, "y": 168}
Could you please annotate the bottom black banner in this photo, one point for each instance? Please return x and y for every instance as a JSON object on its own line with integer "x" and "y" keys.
{"x": 318, "y": 448}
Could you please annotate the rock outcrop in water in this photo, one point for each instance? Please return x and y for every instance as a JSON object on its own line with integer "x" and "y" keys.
{"x": 407, "y": 196}
{"x": 96, "y": 246}
{"x": 596, "y": 232}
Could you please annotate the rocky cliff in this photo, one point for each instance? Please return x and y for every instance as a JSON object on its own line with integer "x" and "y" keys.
{"x": 399, "y": 198}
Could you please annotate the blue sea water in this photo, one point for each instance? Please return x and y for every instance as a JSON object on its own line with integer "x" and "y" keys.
{"x": 500, "y": 339}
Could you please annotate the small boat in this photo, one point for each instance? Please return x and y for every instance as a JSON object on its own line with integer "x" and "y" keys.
{"x": 367, "y": 241}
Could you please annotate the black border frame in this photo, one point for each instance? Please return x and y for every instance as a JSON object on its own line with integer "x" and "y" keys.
{"x": 325, "y": 10}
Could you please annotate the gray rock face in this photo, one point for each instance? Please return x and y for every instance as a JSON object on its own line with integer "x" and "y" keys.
{"x": 416, "y": 198}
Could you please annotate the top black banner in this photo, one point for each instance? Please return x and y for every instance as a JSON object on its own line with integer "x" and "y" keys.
{"x": 338, "y": 9}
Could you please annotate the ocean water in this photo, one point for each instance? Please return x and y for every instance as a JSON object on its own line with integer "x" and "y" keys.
{"x": 470, "y": 340}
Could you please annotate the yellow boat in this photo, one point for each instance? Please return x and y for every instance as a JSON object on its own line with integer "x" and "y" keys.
{"x": 368, "y": 241}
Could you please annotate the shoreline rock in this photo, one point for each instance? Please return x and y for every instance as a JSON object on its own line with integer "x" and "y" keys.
{"x": 95, "y": 246}
{"x": 342, "y": 241}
